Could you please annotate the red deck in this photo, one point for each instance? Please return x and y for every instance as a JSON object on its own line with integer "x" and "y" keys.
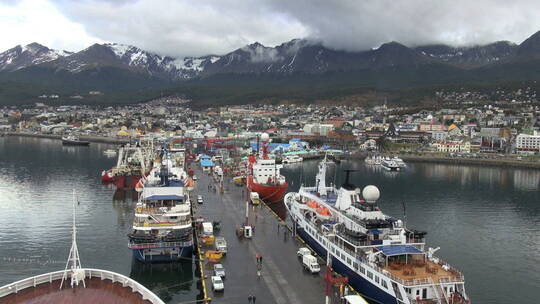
{"x": 96, "y": 291}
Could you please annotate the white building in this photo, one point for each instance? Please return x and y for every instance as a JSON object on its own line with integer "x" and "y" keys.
{"x": 526, "y": 142}
{"x": 439, "y": 135}
{"x": 453, "y": 146}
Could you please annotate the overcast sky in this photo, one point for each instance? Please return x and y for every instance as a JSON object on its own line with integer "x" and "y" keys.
{"x": 198, "y": 27}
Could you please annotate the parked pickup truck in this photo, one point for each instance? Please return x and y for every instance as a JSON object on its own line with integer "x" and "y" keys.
{"x": 221, "y": 244}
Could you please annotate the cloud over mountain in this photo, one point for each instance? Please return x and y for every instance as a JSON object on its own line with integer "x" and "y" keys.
{"x": 195, "y": 28}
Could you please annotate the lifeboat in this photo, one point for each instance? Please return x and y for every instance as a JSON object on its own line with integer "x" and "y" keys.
{"x": 323, "y": 213}
{"x": 139, "y": 186}
{"x": 312, "y": 204}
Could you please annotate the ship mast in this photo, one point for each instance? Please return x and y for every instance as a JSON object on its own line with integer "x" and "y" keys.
{"x": 321, "y": 178}
{"x": 73, "y": 262}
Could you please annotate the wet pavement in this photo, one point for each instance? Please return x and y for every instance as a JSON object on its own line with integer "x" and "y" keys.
{"x": 283, "y": 279}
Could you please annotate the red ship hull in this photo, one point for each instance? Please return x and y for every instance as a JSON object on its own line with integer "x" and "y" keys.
{"x": 106, "y": 176}
{"x": 126, "y": 182}
{"x": 268, "y": 193}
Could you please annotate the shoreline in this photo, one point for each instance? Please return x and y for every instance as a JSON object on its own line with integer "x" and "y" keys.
{"x": 491, "y": 162}
{"x": 503, "y": 163}
{"x": 94, "y": 139}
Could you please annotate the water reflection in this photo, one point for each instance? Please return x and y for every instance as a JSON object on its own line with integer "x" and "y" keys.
{"x": 526, "y": 180}
{"x": 172, "y": 282}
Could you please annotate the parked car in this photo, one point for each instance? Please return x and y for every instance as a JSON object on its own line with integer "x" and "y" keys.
{"x": 199, "y": 199}
{"x": 217, "y": 283}
{"x": 221, "y": 244}
{"x": 219, "y": 271}
{"x": 303, "y": 251}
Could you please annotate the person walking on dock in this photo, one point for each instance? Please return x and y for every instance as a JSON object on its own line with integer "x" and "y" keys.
{"x": 250, "y": 299}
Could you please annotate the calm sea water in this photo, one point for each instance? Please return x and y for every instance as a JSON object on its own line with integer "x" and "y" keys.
{"x": 485, "y": 219}
{"x": 37, "y": 177}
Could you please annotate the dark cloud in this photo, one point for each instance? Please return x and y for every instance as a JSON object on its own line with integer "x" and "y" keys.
{"x": 186, "y": 28}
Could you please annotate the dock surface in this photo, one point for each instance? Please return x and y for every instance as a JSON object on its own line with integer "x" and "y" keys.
{"x": 283, "y": 279}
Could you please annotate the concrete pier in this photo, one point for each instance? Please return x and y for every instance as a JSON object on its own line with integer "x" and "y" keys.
{"x": 283, "y": 279}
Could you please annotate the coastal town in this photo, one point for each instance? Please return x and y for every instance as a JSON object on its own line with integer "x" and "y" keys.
{"x": 499, "y": 125}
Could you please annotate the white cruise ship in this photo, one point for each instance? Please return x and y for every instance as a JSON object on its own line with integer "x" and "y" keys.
{"x": 384, "y": 260}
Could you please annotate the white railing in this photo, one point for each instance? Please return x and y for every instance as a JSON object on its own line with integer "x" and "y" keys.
{"x": 132, "y": 245}
{"x": 145, "y": 293}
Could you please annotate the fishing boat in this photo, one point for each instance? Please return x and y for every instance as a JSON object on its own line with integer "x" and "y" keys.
{"x": 384, "y": 260}
{"x": 72, "y": 140}
{"x": 162, "y": 228}
{"x": 264, "y": 175}
{"x": 134, "y": 161}
{"x": 76, "y": 284}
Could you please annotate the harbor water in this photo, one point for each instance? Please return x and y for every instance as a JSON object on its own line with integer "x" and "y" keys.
{"x": 485, "y": 219}
{"x": 37, "y": 177}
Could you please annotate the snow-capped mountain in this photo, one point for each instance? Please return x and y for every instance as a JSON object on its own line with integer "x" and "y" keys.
{"x": 131, "y": 58}
{"x": 114, "y": 66}
{"x": 470, "y": 56}
{"x": 32, "y": 54}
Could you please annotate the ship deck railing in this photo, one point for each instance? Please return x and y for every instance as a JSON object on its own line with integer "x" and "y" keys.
{"x": 406, "y": 282}
{"x": 32, "y": 282}
{"x": 157, "y": 211}
{"x": 145, "y": 223}
{"x": 133, "y": 245}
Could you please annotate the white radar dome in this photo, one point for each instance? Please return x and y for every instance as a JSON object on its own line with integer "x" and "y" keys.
{"x": 265, "y": 137}
{"x": 371, "y": 193}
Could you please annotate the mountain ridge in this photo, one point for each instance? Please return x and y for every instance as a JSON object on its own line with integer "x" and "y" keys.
{"x": 112, "y": 67}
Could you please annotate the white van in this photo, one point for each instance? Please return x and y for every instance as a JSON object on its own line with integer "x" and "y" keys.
{"x": 208, "y": 229}
{"x": 302, "y": 251}
{"x": 310, "y": 263}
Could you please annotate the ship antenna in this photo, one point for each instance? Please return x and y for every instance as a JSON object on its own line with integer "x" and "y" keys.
{"x": 76, "y": 271}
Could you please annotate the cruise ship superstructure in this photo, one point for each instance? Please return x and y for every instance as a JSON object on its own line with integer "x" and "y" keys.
{"x": 383, "y": 259}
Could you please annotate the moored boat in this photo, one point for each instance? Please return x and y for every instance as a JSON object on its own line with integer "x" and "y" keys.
{"x": 292, "y": 159}
{"x": 72, "y": 140}
{"x": 264, "y": 175}
{"x": 162, "y": 228}
{"x": 384, "y": 260}
{"x": 390, "y": 165}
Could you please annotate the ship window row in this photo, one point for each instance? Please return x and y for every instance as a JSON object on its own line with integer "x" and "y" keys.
{"x": 371, "y": 276}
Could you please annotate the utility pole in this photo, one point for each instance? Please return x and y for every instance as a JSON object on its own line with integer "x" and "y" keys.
{"x": 327, "y": 276}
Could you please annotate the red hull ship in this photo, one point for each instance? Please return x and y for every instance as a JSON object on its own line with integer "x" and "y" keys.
{"x": 133, "y": 161}
{"x": 264, "y": 176}
{"x": 268, "y": 193}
